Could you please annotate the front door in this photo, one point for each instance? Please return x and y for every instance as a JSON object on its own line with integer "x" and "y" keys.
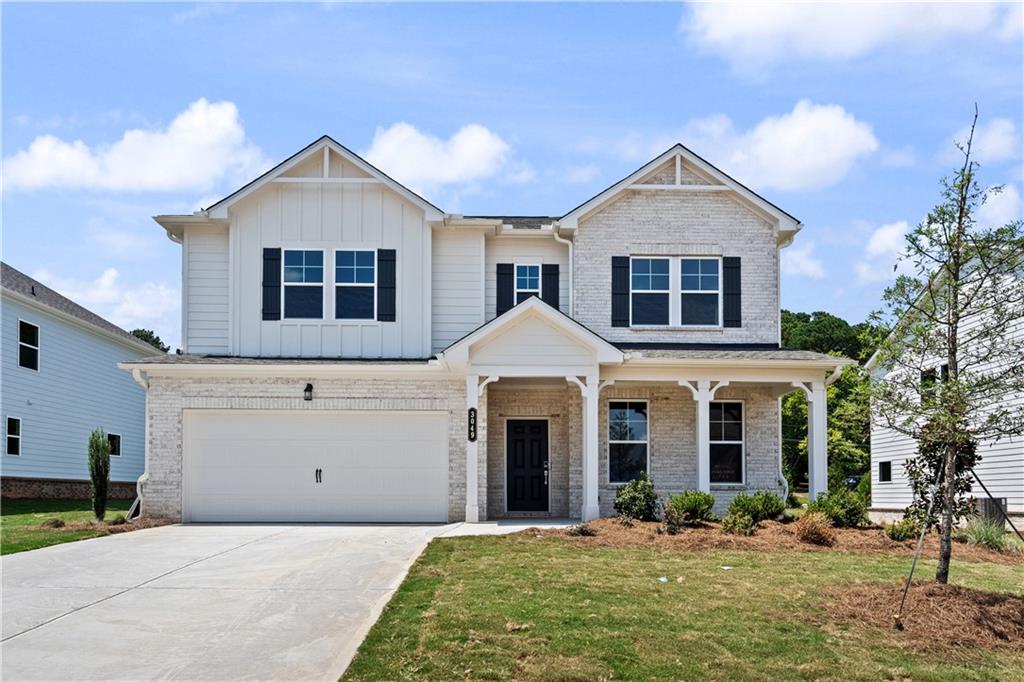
{"x": 526, "y": 449}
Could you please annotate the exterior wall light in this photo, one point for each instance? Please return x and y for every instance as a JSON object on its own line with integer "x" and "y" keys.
{"x": 307, "y": 393}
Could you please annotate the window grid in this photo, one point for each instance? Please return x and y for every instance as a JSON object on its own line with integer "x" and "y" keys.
{"x": 527, "y": 281}
{"x": 728, "y": 430}
{"x": 301, "y": 268}
{"x": 631, "y": 424}
{"x": 13, "y": 447}
{"x": 355, "y": 270}
{"x": 700, "y": 279}
{"x": 28, "y": 345}
{"x": 649, "y": 279}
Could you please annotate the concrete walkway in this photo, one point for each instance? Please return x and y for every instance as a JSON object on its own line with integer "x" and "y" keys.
{"x": 207, "y": 602}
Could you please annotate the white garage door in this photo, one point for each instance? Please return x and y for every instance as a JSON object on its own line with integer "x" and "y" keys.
{"x": 315, "y": 466}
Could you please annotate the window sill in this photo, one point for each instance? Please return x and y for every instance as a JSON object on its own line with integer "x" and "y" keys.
{"x": 728, "y": 486}
{"x": 677, "y": 328}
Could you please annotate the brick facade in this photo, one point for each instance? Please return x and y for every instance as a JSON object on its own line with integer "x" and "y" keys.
{"x": 17, "y": 488}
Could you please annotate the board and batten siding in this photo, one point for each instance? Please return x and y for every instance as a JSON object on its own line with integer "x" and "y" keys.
{"x": 457, "y": 277}
{"x": 527, "y": 251}
{"x": 78, "y": 388}
{"x": 206, "y": 306}
{"x": 330, "y": 217}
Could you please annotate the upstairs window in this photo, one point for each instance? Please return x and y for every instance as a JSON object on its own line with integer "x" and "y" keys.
{"x": 28, "y": 345}
{"x": 13, "y": 436}
{"x": 303, "y": 284}
{"x": 627, "y": 441}
{"x": 700, "y": 291}
{"x": 885, "y": 472}
{"x": 114, "y": 440}
{"x": 355, "y": 279}
{"x": 527, "y": 282}
{"x": 649, "y": 291}
{"x": 930, "y": 379}
{"x": 726, "y": 431}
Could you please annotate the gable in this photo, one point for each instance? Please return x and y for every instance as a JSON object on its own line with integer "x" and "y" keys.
{"x": 530, "y": 341}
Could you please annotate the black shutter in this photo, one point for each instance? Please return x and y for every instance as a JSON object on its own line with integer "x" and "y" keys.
{"x": 386, "y": 308}
{"x": 549, "y": 285}
{"x": 732, "y": 310}
{"x": 620, "y": 291}
{"x": 271, "y": 284}
{"x": 506, "y": 288}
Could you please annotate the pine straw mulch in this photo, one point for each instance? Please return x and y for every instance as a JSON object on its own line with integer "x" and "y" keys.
{"x": 772, "y": 536}
{"x": 107, "y": 528}
{"x": 949, "y": 619}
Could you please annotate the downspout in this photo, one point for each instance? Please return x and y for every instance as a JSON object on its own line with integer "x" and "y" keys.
{"x": 136, "y": 508}
{"x": 567, "y": 242}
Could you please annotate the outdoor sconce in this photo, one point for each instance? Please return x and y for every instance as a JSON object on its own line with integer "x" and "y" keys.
{"x": 307, "y": 393}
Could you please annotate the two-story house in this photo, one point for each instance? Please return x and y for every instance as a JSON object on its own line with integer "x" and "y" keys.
{"x": 354, "y": 353}
{"x": 58, "y": 381}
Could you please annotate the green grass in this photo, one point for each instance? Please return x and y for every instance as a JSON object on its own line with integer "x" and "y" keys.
{"x": 542, "y": 609}
{"x": 20, "y": 522}
{"x": 797, "y": 511}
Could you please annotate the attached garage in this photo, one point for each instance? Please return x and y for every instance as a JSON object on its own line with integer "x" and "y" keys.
{"x": 314, "y": 466}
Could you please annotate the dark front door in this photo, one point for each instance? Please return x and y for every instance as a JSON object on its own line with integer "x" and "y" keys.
{"x": 526, "y": 450}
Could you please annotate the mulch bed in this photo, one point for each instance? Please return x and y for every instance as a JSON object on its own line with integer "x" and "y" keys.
{"x": 771, "y": 537}
{"x": 110, "y": 528}
{"x": 948, "y": 619}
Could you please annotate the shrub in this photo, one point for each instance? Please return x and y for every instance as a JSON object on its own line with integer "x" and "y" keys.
{"x": 843, "y": 508}
{"x": 687, "y": 509}
{"x": 637, "y": 500}
{"x": 863, "y": 490}
{"x": 737, "y": 523}
{"x": 760, "y": 506}
{"x": 906, "y": 528}
{"x": 53, "y": 523}
{"x": 99, "y": 471}
{"x": 987, "y": 533}
{"x": 815, "y": 528}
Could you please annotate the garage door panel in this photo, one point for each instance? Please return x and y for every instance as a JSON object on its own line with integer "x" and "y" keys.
{"x": 259, "y": 466}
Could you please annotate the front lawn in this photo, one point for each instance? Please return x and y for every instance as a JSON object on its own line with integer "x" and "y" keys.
{"x": 21, "y": 522}
{"x": 541, "y": 607}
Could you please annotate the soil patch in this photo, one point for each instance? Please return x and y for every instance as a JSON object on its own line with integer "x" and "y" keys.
{"x": 771, "y": 537}
{"x": 105, "y": 528}
{"x": 950, "y": 619}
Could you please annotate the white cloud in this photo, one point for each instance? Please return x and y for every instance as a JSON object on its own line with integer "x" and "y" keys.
{"x": 799, "y": 261}
{"x": 810, "y": 147}
{"x": 152, "y": 305}
{"x": 203, "y": 146}
{"x": 581, "y": 175}
{"x": 1000, "y": 208}
{"x": 426, "y": 163}
{"x": 882, "y": 252}
{"x": 994, "y": 141}
{"x": 753, "y": 35}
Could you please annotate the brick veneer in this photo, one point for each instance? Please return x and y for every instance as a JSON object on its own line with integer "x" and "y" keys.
{"x": 14, "y": 488}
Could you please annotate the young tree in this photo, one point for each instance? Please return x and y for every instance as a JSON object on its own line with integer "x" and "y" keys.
{"x": 99, "y": 471}
{"x": 952, "y": 355}
{"x": 150, "y": 337}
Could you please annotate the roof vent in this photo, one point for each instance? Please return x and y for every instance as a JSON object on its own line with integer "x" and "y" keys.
{"x": 33, "y": 289}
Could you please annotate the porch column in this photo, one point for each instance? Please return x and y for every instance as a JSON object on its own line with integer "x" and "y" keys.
{"x": 703, "y": 392}
{"x": 472, "y": 450}
{"x": 817, "y": 439}
{"x": 591, "y": 510}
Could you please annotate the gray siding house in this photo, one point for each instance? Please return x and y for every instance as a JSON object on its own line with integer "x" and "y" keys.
{"x": 59, "y": 380}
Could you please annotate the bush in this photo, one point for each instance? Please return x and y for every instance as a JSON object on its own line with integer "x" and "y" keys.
{"x": 760, "y": 506}
{"x": 687, "y": 509}
{"x": 815, "y": 528}
{"x": 843, "y": 508}
{"x": 637, "y": 500}
{"x": 987, "y": 533}
{"x": 737, "y": 523}
{"x": 99, "y": 471}
{"x": 905, "y": 529}
{"x": 863, "y": 490}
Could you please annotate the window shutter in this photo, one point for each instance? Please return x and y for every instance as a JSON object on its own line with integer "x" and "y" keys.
{"x": 732, "y": 310}
{"x": 386, "y": 307}
{"x": 620, "y": 291}
{"x": 549, "y": 285}
{"x": 506, "y": 288}
{"x": 271, "y": 284}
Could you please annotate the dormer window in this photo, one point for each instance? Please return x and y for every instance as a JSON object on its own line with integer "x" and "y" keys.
{"x": 355, "y": 281}
{"x": 303, "y": 284}
{"x": 649, "y": 292}
{"x": 527, "y": 282}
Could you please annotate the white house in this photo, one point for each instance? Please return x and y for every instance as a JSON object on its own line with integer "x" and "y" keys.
{"x": 355, "y": 353}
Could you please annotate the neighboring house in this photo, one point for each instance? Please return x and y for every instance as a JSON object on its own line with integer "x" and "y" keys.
{"x": 354, "y": 353}
{"x": 1001, "y": 468}
{"x": 59, "y": 382}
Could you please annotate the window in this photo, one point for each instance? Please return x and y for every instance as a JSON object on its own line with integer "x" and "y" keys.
{"x": 700, "y": 291}
{"x": 930, "y": 379}
{"x": 115, "y": 444}
{"x": 355, "y": 295}
{"x": 303, "y": 284}
{"x": 649, "y": 291}
{"x": 627, "y": 440}
{"x": 726, "y": 431}
{"x": 28, "y": 345}
{"x": 527, "y": 282}
{"x": 13, "y": 436}
{"x": 885, "y": 472}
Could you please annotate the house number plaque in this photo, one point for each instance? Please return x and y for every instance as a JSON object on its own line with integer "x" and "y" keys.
{"x": 472, "y": 425}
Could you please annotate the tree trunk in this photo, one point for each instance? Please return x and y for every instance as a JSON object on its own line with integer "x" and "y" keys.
{"x": 946, "y": 524}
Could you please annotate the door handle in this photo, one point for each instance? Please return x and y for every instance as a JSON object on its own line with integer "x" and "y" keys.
{"x": 545, "y": 476}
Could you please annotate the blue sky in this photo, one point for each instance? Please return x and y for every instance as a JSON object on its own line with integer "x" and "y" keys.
{"x": 844, "y": 115}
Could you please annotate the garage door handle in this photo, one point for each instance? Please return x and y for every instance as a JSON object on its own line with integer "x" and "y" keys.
{"x": 316, "y": 475}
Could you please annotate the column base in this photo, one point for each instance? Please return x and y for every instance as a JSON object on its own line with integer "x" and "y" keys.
{"x": 472, "y": 515}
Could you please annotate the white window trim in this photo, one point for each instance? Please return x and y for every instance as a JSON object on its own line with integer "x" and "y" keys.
{"x": 364, "y": 285}
{"x": 679, "y": 281}
{"x": 742, "y": 443}
{"x": 540, "y": 280}
{"x": 120, "y": 440}
{"x": 322, "y": 284}
{"x": 7, "y": 434}
{"x": 608, "y": 438}
{"x": 667, "y": 292}
{"x": 878, "y": 472}
{"x": 39, "y": 340}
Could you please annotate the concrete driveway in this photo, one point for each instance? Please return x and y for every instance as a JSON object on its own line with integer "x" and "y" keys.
{"x": 206, "y": 602}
